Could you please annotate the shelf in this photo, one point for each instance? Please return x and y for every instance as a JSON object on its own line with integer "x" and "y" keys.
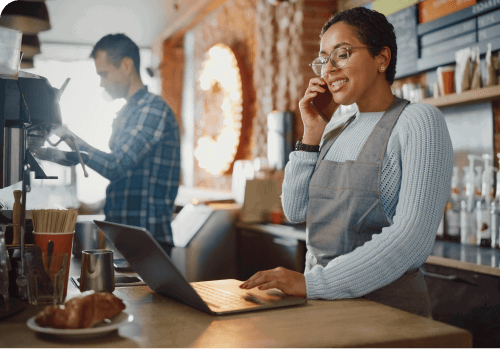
{"x": 484, "y": 94}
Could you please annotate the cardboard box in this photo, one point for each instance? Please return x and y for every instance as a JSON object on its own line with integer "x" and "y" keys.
{"x": 261, "y": 197}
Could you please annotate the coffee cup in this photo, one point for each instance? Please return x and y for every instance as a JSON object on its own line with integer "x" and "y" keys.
{"x": 446, "y": 79}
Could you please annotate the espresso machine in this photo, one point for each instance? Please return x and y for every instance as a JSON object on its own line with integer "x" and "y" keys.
{"x": 29, "y": 113}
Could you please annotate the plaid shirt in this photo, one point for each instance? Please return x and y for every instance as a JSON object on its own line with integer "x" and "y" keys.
{"x": 143, "y": 166}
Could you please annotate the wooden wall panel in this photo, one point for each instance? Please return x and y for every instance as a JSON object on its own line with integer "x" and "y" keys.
{"x": 172, "y": 70}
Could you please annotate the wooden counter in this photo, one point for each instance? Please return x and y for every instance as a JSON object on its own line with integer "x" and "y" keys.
{"x": 162, "y": 322}
{"x": 462, "y": 280}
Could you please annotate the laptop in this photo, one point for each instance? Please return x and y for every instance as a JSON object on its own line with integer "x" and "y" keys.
{"x": 154, "y": 266}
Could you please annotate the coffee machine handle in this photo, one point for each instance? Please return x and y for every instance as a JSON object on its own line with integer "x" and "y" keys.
{"x": 73, "y": 140}
{"x": 60, "y": 91}
{"x": 79, "y": 155}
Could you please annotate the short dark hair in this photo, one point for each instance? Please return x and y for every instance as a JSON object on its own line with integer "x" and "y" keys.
{"x": 371, "y": 28}
{"x": 117, "y": 47}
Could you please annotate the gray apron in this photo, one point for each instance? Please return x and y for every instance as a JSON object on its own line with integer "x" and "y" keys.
{"x": 345, "y": 210}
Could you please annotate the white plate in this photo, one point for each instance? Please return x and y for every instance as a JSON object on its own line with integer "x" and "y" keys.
{"x": 98, "y": 330}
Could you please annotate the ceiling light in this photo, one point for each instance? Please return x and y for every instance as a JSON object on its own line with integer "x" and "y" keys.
{"x": 30, "y": 45}
{"x": 30, "y": 17}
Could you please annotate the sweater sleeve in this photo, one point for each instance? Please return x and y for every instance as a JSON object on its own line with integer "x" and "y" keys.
{"x": 295, "y": 192}
{"x": 427, "y": 162}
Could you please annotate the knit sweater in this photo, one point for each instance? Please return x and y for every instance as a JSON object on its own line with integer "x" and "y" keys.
{"x": 415, "y": 184}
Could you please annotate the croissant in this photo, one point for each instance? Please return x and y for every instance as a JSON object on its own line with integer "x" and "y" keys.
{"x": 83, "y": 311}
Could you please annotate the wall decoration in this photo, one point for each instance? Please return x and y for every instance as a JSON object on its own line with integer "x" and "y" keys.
{"x": 220, "y": 123}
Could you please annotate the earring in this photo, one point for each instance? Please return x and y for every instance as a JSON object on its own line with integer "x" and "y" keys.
{"x": 382, "y": 68}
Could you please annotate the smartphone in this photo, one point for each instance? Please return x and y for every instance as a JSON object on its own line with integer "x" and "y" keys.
{"x": 122, "y": 265}
{"x": 324, "y": 104}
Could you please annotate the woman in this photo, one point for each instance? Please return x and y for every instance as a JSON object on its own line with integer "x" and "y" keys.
{"x": 373, "y": 197}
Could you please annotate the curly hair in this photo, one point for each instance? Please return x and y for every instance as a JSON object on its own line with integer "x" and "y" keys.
{"x": 372, "y": 29}
{"x": 117, "y": 47}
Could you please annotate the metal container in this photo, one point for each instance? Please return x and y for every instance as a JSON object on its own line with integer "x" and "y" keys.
{"x": 14, "y": 148}
{"x": 97, "y": 271}
{"x": 10, "y": 52}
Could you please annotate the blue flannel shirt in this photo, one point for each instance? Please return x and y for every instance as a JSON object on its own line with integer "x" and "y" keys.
{"x": 143, "y": 166}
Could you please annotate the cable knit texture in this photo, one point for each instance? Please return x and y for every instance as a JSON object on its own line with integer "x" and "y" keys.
{"x": 415, "y": 183}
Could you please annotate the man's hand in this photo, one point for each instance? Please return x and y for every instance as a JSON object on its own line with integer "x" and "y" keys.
{"x": 66, "y": 135}
{"x": 288, "y": 281}
{"x": 62, "y": 130}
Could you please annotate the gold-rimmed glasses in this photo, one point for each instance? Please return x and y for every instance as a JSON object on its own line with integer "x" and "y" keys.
{"x": 338, "y": 57}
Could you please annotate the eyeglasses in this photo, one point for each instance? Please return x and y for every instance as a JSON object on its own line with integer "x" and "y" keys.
{"x": 338, "y": 57}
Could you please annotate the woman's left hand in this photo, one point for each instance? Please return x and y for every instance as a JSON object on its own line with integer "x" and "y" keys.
{"x": 288, "y": 281}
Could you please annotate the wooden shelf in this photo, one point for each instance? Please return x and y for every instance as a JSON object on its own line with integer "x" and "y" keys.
{"x": 484, "y": 94}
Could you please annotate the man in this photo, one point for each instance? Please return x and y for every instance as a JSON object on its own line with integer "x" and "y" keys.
{"x": 144, "y": 164}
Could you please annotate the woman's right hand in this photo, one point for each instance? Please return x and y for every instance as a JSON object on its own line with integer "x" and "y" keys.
{"x": 314, "y": 125}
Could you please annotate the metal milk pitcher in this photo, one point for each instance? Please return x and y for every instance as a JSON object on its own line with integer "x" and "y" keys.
{"x": 97, "y": 271}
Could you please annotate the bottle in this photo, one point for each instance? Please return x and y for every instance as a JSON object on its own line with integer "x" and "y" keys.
{"x": 471, "y": 191}
{"x": 453, "y": 209}
{"x": 465, "y": 171}
{"x": 494, "y": 224}
{"x": 478, "y": 183}
{"x": 495, "y": 212}
{"x": 467, "y": 230}
{"x": 456, "y": 185}
{"x": 483, "y": 207}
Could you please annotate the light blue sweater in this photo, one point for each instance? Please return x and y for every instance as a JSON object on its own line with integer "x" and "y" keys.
{"x": 415, "y": 183}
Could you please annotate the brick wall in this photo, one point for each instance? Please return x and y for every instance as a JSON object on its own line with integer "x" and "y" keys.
{"x": 287, "y": 41}
{"x": 274, "y": 46}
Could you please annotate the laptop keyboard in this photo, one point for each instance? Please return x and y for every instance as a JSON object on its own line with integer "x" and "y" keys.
{"x": 217, "y": 297}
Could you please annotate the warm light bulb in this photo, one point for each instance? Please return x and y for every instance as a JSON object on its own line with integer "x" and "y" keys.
{"x": 220, "y": 69}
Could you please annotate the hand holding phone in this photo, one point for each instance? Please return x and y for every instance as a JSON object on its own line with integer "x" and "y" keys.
{"x": 324, "y": 104}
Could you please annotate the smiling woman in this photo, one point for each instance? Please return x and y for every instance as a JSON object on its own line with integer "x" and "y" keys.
{"x": 371, "y": 214}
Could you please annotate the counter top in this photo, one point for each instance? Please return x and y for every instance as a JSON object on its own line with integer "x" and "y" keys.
{"x": 162, "y": 322}
{"x": 450, "y": 254}
{"x": 481, "y": 256}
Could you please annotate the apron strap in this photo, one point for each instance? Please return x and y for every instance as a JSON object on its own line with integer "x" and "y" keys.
{"x": 330, "y": 137}
{"x": 375, "y": 146}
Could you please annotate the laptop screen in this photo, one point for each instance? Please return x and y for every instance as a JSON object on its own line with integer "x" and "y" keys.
{"x": 151, "y": 262}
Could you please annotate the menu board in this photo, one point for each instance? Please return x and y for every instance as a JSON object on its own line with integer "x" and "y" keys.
{"x": 426, "y": 46}
{"x": 476, "y": 25}
{"x": 405, "y": 27}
